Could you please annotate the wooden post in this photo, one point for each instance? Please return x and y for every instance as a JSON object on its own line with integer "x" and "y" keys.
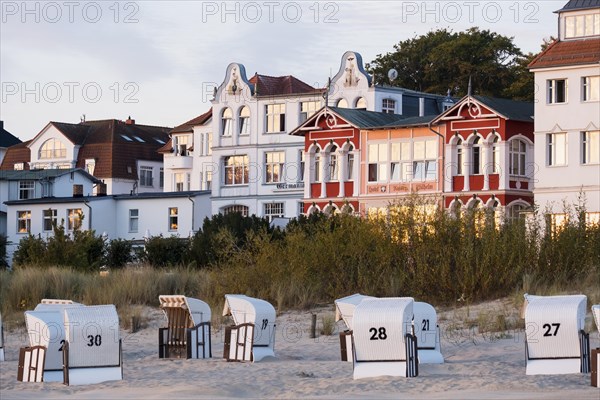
{"x": 313, "y": 326}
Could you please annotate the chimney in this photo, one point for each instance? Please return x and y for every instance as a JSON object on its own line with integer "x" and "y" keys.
{"x": 130, "y": 121}
{"x": 77, "y": 190}
{"x": 421, "y": 106}
{"x": 101, "y": 190}
{"x": 1, "y": 125}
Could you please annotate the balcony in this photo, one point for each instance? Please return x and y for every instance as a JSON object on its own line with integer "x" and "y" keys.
{"x": 179, "y": 162}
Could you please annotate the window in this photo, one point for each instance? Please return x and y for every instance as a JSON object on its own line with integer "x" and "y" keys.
{"x": 592, "y": 218}
{"x": 236, "y": 170}
{"x": 518, "y": 151}
{"x": 557, "y": 149}
{"x": 388, "y": 106}
{"x": 517, "y": 212}
{"x": 317, "y": 165}
{"x": 582, "y": 25}
{"x": 235, "y": 209}
{"x": 52, "y": 148}
{"x": 590, "y": 88}
{"x": 342, "y": 103}
{"x": 332, "y": 167}
{"x": 227, "y": 122}
{"x": 307, "y": 109}
{"x": 377, "y": 162}
{"x": 273, "y": 210}
{"x": 590, "y": 147}
{"x": 557, "y": 91}
{"x": 300, "y": 207}
{"x": 495, "y": 156}
{"x": 275, "y": 118}
{"x": 133, "y": 220}
{"x": 301, "y": 169}
{"x": 173, "y": 218}
{"x": 182, "y": 144}
{"x": 90, "y": 165}
{"x": 244, "y": 121}
{"x": 74, "y": 217}
{"x": 424, "y": 160}
{"x": 350, "y": 163}
{"x": 459, "y": 157}
{"x": 476, "y": 156}
{"x": 24, "y": 221}
{"x": 161, "y": 178}
{"x": 209, "y": 144}
{"x": 146, "y": 177}
{"x": 127, "y": 138}
{"x": 361, "y": 103}
{"x": 208, "y": 177}
{"x": 26, "y": 190}
{"x": 49, "y": 219}
{"x": 19, "y": 166}
{"x": 274, "y": 163}
{"x": 400, "y": 167}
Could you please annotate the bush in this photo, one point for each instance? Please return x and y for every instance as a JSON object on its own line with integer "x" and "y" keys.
{"x": 162, "y": 252}
{"x": 119, "y": 252}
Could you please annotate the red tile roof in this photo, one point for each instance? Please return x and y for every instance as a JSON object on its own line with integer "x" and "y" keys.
{"x": 115, "y": 145}
{"x": 265, "y": 85}
{"x": 568, "y": 52}
{"x": 189, "y": 125}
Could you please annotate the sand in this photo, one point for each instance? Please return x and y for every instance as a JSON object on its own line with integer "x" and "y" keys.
{"x": 478, "y": 366}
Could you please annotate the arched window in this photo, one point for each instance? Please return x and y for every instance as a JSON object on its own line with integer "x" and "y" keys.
{"x": 331, "y": 209}
{"x": 333, "y": 164}
{"x": 317, "y": 165}
{"x": 227, "y": 122}
{"x": 350, "y": 163}
{"x": 459, "y": 157}
{"x": 236, "y": 208}
{"x": 361, "y": 103}
{"x": 244, "y": 121}
{"x": 342, "y": 103}
{"x": 52, "y": 148}
{"x": 495, "y": 156}
{"x": 347, "y": 209}
{"x": 518, "y": 152}
{"x": 476, "y": 156}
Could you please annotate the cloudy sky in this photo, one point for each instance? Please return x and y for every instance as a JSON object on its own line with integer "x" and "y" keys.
{"x": 156, "y": 61}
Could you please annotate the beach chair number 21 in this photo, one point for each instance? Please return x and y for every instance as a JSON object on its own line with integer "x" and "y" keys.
{"x": 265, "y": 323}
{"x": 425, "y": 326}
{"x": 548, "y": 328}
{"x": 378, "y": 334}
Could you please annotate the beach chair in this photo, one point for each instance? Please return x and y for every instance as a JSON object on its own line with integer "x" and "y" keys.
{"x": 382, "y": 339}
{"x": 596, "y": 352}
{"x": 187, "y": 334}
{"x": 92, "y": 350}
{"x": 555, "y": 340}
{"x": 252, "y": 337}
{"x": 427, "y": 332}
{"x": 344, "y": 310}
{"x": 31, "y": 364}
{"x": 46, "y": 328}
{"x": 1, "y": 340}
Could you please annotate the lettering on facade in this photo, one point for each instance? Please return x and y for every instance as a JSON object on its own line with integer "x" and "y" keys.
{"x": 282, "y": 186}
{"x": 399, "y": 188}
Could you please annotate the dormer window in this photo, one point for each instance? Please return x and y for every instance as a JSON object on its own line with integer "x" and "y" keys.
{"x": 52, "y": 148}
{"x": 582, "y": 25}
{"x": 388, "y": 106}
{"x": 181, "y": 145}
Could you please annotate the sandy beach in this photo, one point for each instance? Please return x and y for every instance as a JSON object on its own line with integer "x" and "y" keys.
{"x": 478, "y": 366}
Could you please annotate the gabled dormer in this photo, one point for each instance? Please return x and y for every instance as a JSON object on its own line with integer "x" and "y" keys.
{"x": 579, "y": 19}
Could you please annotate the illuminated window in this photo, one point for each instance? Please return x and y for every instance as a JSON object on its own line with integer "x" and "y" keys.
{"x": 590, "y": 88}
{"x": 52, "y": 148}
{"x": 74, "y": 217}
{"x": 275, "y": 118}
{"x": 244, "y": 121}
{"x": 556, "y": 146}
{"x": 274, "y": 164}
{"x": 307, "y": 109}
{"x": 590, "y": 147}
{"x": 236, "y": 170}
{"x": 227, "y": 122}
{"x": 173, "y": 218}
{"x": 24, "y": 221}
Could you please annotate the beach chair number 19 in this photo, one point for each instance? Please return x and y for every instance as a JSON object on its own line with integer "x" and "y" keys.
{"x": 265, "y": 323}
{"x": 378, "y": 334}
{"x": 548, "y": 328}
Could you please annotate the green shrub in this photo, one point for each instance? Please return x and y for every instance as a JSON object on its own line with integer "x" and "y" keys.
{"x": 119, "y": 252}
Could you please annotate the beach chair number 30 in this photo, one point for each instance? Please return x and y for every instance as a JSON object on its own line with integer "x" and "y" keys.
{"x": 548, "y": 328}
{"x": 378, "y": 334}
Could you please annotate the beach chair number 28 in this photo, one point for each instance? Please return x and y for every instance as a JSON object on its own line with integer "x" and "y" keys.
{"x": 548, "y": 329}
{"x": 265, "y": 323}
{"x": 378, "y": 334}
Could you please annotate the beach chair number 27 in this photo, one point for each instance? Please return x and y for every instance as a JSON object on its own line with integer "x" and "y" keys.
{"x": 265, "y": 323}
{"x": 378, "y": 334}
{"x": 548, "y": 328}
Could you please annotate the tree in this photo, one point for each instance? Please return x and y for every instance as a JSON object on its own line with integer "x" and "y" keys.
{"x": 442, "y": 60}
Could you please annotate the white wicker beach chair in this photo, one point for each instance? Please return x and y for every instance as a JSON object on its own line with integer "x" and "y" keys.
{"x": 187, "y": 334}
{"x": 252, "y": 338}
{"x": 382, "y": 338}
{"x": 92, "y": 351}
{"x": 427, "y": 332}
{"x": 555, "y": 340}
{"x": 344, "y": 310}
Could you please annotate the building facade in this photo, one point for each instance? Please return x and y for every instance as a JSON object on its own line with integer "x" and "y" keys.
{"x": 567, "y": 115}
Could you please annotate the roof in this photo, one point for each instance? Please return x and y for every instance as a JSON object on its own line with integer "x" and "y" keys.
{"x": 6, "y": 138}
{"x": 364, "y": 119}
{"x": 511, "y": 109}
{"x": 573, "y": 5}
{"x": 568, "y": 52}
{"x": 139, "y": 196}
{"x": 189, "y": 125}
{"x": 40, "y": 174}
{"x": 265, "y": 85}
{"x": 115, "y": 145}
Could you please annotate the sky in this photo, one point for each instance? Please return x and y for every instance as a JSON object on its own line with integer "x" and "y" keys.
{"x": 157, "y": 61}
